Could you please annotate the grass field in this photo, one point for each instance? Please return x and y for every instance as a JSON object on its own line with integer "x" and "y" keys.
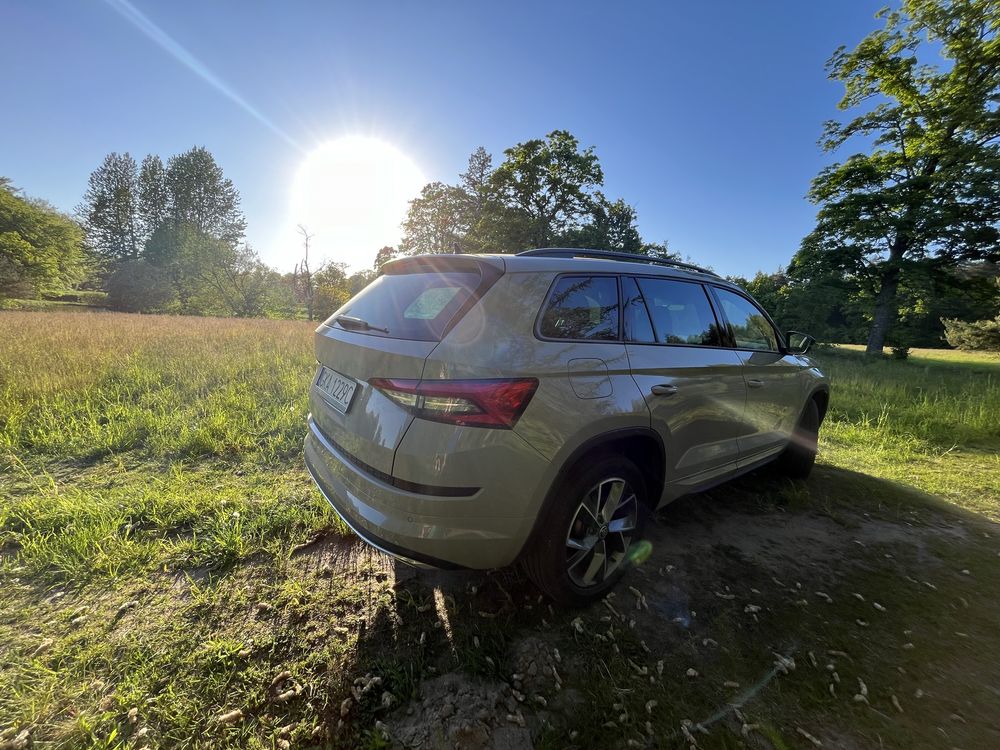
{"x": 170, "y": 578}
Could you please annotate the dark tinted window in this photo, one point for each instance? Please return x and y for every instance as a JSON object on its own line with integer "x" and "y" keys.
{"x": 635, "y": 318}
{"x": 749, "y": 327}
{"x": 681, "y": 312}
{"x": 582, "y": 307}
{"x": 416, "y": 306}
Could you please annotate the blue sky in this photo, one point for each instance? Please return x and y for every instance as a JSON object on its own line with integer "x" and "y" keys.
{"x": 705, "y": 116}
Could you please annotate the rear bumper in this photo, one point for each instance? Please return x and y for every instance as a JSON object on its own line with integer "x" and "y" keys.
{"x": 459, "y": 533}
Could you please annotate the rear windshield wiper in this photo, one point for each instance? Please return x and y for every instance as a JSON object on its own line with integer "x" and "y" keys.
{"x": 358, "y": 324}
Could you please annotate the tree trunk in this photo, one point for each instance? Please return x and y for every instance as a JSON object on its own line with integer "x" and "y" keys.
{"x": 885, "y": 300}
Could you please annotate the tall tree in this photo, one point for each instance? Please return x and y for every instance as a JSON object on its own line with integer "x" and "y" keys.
{"x": 481, "y": 210}
{"x": 41, "y": 250}
{"x": 550, "y": 183}
{"x": 202, "y": 197}
{"x": 383, "y": 256}
{"x": 153, "y": 208}
{"x": 436, "y": 221}
{"x": 475, "y": 180}
{"x": 926, "y": 193}
{"x": 109, "y": 209}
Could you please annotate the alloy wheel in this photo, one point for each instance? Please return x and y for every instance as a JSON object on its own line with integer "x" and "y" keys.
{"x": 600, "y": 533}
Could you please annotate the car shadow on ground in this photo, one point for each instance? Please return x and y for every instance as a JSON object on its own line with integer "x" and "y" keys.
{"x": 762, "y": 607}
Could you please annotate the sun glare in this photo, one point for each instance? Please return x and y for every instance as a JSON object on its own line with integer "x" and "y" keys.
{"x": 352, "y": 195}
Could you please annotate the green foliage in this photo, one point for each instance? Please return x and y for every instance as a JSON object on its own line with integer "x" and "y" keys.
{"x": 110, "y": 209}
{"x": 41, "y": 250}
{"x": 383, "y": 256}
{"x": 836, "y": 307}
{"x": 201, "y": 197}
{"x": 184, "y": 219}
{"x": 923, "y": 198}
{"x": 153, "y": 207}
{"x": 210, "y": 276}
{"x": 333, "y": 289}
{"x": 981, "y": 335}
{"x": 138, "y": 286}
{"x": 612, "y": 227}
{"x": 545, "y": 192}
{"x": 548, "y": 185}
{"x": 437, "y": 220}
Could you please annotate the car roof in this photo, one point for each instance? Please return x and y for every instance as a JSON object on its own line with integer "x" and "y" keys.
{"x": 565, "y": 260}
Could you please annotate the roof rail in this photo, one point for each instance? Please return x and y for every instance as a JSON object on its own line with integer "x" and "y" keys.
{"x": 571, "y": 252}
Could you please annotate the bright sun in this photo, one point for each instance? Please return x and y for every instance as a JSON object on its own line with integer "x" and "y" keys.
{"x": 352, "y": 195}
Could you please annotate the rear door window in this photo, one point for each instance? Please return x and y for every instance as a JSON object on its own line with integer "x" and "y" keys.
{"x": 681, "y": 312}
{"x": 416, "y": 306}
{"x": 582, "y": 308}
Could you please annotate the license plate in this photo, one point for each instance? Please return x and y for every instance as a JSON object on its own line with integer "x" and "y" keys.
{"x": 337, "y": 389}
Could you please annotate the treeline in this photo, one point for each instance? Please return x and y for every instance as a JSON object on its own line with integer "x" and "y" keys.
{"x": 41, "y": 250}
{"x": 169, "y": 237}
{"x": 933, "y": 308}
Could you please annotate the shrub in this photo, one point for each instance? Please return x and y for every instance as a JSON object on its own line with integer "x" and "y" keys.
{"x": 138, "y": 286}
{"x": 83, "y": 297}
{"x": 900, "y": 352}
{"x": 982, "y": 335}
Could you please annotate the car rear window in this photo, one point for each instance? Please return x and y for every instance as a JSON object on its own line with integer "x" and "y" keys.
{"x": 416, "y": 306}
{"x": 582, "y": 307}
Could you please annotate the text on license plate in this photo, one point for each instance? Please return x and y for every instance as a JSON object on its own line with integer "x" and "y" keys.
{"x": 337, "y": 389}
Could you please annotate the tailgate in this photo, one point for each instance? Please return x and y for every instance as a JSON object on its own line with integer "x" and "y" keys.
{"x": 387, "y": 331}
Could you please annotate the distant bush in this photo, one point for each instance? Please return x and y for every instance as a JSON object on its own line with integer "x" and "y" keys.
{"x": 983, "y": 335}
{"x": 138, "y": 286}
{"x": 900, "y": 352}
{"x": 84, "y": 297}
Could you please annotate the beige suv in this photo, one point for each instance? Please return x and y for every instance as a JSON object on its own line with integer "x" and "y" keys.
{"x": 475, "y": 410}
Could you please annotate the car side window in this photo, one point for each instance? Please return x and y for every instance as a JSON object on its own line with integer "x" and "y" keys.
{"x": 635, "y": 317}
{"x": 749, "y": 326}
{"x": 582, "y": 307}
{"x": 681, "y": 312}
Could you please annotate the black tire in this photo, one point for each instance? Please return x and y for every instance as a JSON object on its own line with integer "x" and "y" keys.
{"x": 800, "y": 455}
{"x": 559, "y": 569}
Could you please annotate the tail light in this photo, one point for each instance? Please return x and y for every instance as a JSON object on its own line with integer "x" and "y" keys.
{"x": 470, "y": 403}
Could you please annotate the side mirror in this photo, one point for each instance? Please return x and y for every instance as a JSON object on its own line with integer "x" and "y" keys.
{"x": 799, "y": 343}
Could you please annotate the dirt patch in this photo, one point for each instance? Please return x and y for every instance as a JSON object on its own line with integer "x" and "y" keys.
{"x": 335, "y": 555}
{"x": 785, "y": 540}
{"x": 464, "y": 713}
{"x": 748, "y": 618}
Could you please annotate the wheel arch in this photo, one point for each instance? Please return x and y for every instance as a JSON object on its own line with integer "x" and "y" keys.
{"x": 821, "y": 396}
{"x": 642, "y": 445}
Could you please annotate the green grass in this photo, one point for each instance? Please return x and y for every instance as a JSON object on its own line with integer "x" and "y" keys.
{"x": 932, "y": 422}
{"x": 163, "y": 556}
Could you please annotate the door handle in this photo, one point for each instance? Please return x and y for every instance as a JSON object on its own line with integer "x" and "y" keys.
{"x": 754, "y": 383}
{"x": 663, "y": 390}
